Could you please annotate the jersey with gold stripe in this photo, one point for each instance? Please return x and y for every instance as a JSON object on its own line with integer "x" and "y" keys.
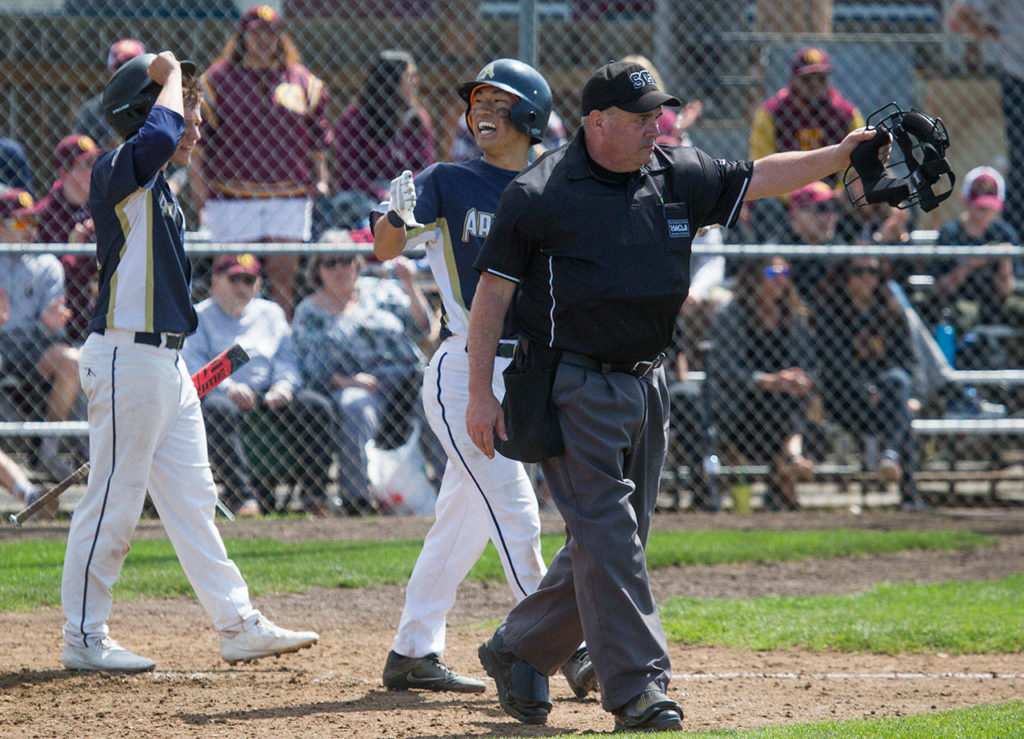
{"x": 456, "y": 203}
{"x": 144, "y": 272}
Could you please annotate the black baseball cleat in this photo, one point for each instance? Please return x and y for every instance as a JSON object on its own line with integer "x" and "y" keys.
{"x": 580, "y": 674}
{"x": 425, "y": 673}
{"x": 522, "y": 691}
{"x": 652, "y": 710}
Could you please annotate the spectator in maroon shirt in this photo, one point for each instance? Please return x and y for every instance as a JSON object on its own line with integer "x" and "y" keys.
{"x": 263, "y": 156}
{"x": 808, "y": 113}
{"x": 384, "y": 130}
{"x": 63, "y": 217}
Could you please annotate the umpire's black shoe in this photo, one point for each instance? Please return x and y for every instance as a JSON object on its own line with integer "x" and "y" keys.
{"x": 425, "y": 673}
{"x": 522, "y": 691}
{"x": 652, "y": 710}
{"x": 579, "y": 672}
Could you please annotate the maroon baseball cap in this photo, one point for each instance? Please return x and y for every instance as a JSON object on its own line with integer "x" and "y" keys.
{"x": 237, "y": 264}
{"x": 625, "y": 85}
{"x": 15, "y": 200}
{"x": 809, "y": 60}
{"x": 122, "y": 50}
{"x": 812, "y": 194}
{"x": 73, "y": 148}
{"x": 258, "y": 15}
{"x": 985, "y": 187}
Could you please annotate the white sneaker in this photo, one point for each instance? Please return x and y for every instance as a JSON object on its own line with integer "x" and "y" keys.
{"x": 263, "y": 639}
{"x": 107, "y": 656}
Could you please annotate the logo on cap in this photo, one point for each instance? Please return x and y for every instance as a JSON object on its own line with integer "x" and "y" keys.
{"x": 642, "y": 78}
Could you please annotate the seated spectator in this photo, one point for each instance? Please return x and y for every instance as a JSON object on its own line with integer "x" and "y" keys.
{"x": 813, "y": 215}
{"x": 761, "y": 375}
{"x": 384, "y": 130}
{"x": 14, "y": 168}
{"x": 265, "y": 137}
{"x": 64, "y": 218}
{"x": 32, "y": 319}
{"x": 865, "y": 358}
{"x": 360, "y": 354}
{"x": 89, "y": 119}
{"x": 267, "y": 386}
{"x": 977, "y": 290}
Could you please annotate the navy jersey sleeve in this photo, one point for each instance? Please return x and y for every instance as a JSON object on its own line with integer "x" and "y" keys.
{"x": 721, "y": 196}
{"x": 136, "y": 163}
{"x": 507, "y": 249}
{"x": 428, "y": 195}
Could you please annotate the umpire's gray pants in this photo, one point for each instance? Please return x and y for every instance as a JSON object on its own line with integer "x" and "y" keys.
{"x": 605, "y": 486}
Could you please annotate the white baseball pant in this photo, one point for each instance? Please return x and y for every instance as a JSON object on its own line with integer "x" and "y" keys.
{"x": 480, "y": 499}
{"x": 145, "y": 432}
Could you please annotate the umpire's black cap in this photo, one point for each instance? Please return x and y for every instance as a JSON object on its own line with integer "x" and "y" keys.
{"x": 626, "y": 85}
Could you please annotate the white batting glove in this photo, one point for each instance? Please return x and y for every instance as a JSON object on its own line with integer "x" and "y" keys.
{"x": 403, "y": 198}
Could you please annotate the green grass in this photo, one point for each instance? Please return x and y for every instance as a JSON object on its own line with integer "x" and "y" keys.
{"x": 970, "y": 617}
{"x": 1000, "y": 721}
{"x": 31, "y": 569}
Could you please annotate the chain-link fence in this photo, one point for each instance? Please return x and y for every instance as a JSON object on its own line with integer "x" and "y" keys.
{"x": 310, "y": 107}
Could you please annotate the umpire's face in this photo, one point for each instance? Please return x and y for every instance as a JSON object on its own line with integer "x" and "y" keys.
{"x": 621, "y": 141}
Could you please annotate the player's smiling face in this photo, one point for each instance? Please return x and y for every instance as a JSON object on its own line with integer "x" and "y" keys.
{"x": 191, "y": 136}
{"x": 489, "y": 113}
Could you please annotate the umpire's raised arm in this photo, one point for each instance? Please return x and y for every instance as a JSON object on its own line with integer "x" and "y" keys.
{"x": 781, "y": 173}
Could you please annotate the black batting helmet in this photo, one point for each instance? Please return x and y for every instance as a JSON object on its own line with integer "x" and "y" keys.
{"x": 131, "y": 92}
{"x": 530, "y": 114}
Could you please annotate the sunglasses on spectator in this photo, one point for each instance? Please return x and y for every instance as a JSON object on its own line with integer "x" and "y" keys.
{"x": 773, "y": 271}
{"x": 331, "y": 262}
{"x": 820, "y": 208}
{"x": 243, "y": 279}
{"x": 864, "y": 270}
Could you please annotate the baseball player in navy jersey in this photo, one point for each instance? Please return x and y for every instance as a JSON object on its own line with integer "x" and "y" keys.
{"x": 448, "y": 209}
{"x": 145, "y": 426}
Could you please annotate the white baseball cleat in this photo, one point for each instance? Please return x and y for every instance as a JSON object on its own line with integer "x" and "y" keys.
{"x": 107, "y": 656}
{"x": 263, "y": 639}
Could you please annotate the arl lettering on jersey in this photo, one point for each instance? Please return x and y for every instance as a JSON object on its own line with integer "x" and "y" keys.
{"x": 478, "y": 224}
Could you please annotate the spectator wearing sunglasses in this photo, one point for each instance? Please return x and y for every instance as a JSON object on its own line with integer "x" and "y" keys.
{"x": 865, "y": 359}
{"x": 265, "y": 396}
{"x": 761, "y": 375}
{"x": 357, "y": 343}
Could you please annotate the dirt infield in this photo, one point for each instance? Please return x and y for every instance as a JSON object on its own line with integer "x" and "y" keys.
{"x": 334, "y": 689}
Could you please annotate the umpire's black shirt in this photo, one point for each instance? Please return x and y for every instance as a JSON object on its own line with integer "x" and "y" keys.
{"x": 602, "y": 260}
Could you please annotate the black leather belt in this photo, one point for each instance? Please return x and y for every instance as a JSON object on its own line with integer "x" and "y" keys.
{"x": 637, "y": 369}
{"x": 168, "y": 341}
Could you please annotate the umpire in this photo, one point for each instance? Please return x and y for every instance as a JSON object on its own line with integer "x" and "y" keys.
{"x": 594, "y": 241}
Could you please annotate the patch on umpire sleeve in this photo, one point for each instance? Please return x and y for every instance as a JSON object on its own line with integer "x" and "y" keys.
{"x": 678, "y": 228}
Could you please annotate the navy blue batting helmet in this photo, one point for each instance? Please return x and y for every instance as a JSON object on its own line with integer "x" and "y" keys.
{"x": 530, "y": 114}
{"x": 131, "y": 92}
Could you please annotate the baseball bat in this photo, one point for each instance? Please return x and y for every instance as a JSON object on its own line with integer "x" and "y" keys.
{"x": 207, "y": 378}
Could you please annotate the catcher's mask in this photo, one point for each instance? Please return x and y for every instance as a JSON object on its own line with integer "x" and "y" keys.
{"x": 922, "y": 141}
